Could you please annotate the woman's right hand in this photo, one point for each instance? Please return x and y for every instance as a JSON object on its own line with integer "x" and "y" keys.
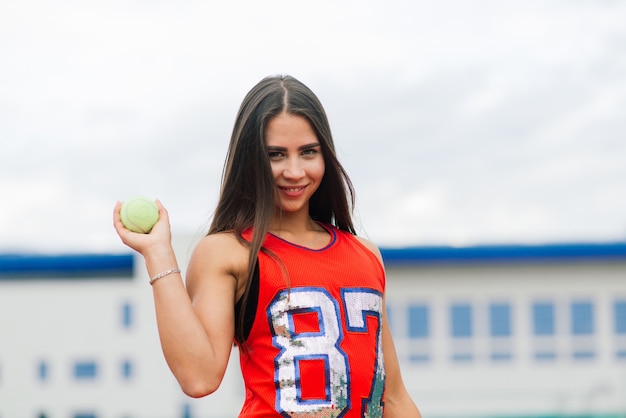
{"x": 159, "y": 237}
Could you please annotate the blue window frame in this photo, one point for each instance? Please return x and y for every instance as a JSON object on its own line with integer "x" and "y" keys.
{"x": 545, "y": 355}
{"x": 500, "y": 320}
{"x": 619, "y": 317}
{"x": 543, "y": 319}
{"x": 127, "y": 315}
{"x": 462, "y": 357}
{"x": 419, "y": 326}
{"x": 501, "y": 356}
{"x": 500, "y": 328}
{"x": 419, "y": 358}
{"x": 582, "y": 318}
{"x": 42, "y": 371}
{"x": 186, "y": 412}
{"x": 85, "y": 370}
{"x": 127, "y": 369}
{"x": 461, "y": 320}
{"x": 583, "y": 354}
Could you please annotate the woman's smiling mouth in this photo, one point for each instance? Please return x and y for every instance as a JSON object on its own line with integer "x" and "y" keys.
{"x": 292, "y": 191}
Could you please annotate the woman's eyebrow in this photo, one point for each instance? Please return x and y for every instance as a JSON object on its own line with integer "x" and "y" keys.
{"x": 311, "y": 145}
{"x": 300, "y": 148}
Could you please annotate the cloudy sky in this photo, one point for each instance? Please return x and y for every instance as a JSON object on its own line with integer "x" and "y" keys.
{"x": 459, "y": 122}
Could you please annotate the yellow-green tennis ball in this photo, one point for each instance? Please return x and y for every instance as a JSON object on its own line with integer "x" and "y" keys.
{"x": 139, "y": 214}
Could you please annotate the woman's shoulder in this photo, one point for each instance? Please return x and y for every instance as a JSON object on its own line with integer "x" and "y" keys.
{"x": 222, "y": 253}
{"x": 220, "y": 241}
{"x": 222, "y": 246}
{"x": 370, "y": 246}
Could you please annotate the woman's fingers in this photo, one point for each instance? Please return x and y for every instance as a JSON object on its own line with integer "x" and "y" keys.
{"x": 160, "y": 233}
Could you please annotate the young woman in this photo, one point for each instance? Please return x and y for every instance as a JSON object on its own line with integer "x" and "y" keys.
{"x": 280, "y": 272}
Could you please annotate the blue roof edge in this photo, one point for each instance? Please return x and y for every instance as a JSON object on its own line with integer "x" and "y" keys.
{"x": 16, "y": 265}
{"x": 522, "y": 253}
{"x": 67, "y": 266}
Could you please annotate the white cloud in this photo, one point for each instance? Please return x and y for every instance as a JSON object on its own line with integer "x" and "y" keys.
{"x": 459, "y": 121}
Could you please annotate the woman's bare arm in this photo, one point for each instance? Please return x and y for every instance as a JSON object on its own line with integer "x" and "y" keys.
{"x": 195, "y": 323}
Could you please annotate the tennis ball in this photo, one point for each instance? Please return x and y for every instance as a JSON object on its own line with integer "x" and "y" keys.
{"x": 139, "y": 214}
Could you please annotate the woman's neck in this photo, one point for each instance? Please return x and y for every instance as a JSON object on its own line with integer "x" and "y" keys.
{"x": 299, "y": 230}
{"x": 293, "y": 224}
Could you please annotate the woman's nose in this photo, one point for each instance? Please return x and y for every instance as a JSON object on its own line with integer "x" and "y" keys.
{"x": 293, "y": 169}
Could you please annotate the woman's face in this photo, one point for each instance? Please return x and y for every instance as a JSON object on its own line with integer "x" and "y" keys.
{"x": 296, "y": 159}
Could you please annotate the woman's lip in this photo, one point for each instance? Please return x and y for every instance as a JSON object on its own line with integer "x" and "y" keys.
{"x": 292, "y": 191}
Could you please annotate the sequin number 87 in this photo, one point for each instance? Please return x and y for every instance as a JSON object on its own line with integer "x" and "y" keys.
{"x": 323, "y": 345}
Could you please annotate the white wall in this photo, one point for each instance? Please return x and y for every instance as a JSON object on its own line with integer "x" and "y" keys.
{"x": 522, "y": 386}
{"x": 60, "y": 322}
{"x": 64, "y": 321}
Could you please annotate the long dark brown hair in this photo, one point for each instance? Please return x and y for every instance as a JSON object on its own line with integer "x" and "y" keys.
{"x": 248, "y": 189}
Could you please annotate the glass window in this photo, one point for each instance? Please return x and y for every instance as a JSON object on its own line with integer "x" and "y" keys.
{"x": 501, "y": 356}
{"x": 582, "y": 318}
{"x": 543, "y": 318}
{"x": 583, "y": 354}
{"x": 461, "y": 320}
{"x": 127, "y": 369}
{"x": 500, "y": 320}
{"x": 545, "y": 355}
{"x": 418, "y": 321}
{"x": 42, "y": 371}
{"x": 127, "y": 315}
{"x": 619, "y": 316}
{"x": 85, "y": 370}
{"x": 462, "y": 357}
{"x": 419, "y": 358}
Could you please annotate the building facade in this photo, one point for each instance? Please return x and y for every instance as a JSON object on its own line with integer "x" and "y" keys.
{"x": 486, "y": 331}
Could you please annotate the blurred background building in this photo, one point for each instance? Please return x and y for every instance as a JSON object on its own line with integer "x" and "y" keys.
{"x": 481, "y": 331}
{"x": 459, "y": 122}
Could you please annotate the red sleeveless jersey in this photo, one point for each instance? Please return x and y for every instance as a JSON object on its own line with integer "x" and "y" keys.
{"x": 315, "y": 347}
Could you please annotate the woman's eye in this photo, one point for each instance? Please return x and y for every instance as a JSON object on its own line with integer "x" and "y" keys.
{"x": 310, "y": 151}
{"x": 274, "y": 154}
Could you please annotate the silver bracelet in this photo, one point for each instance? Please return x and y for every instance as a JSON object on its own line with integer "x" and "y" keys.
{"x": 162, "y": 274}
